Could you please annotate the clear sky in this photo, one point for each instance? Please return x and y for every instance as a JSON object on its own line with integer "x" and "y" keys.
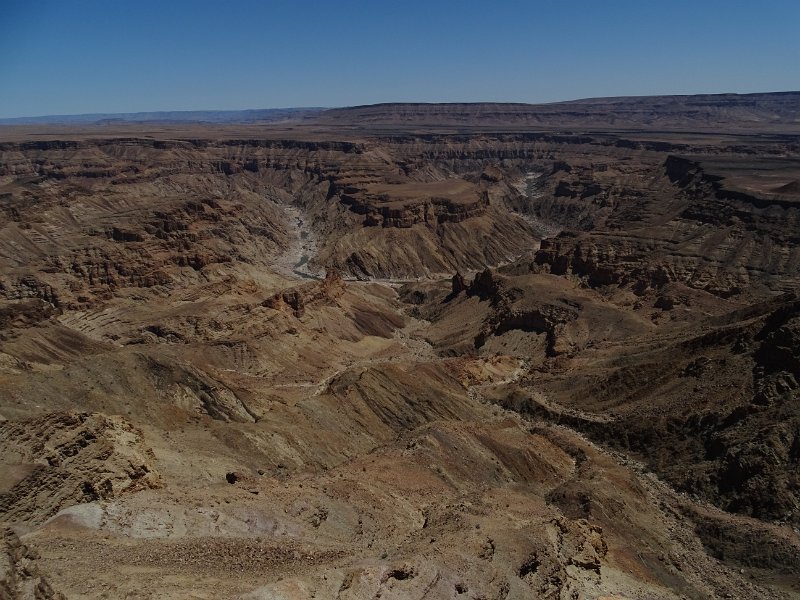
{"x": 82, "y": 56}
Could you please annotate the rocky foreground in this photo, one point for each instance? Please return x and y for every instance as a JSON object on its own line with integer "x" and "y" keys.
{"x": 403, "y": 362}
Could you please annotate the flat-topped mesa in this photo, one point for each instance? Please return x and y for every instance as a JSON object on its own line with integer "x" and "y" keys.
{"x": 709, "y": 112}
{"x": 408, "y": 204}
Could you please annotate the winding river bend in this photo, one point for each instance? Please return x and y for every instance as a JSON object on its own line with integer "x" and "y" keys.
{"x": 295, "y": 262}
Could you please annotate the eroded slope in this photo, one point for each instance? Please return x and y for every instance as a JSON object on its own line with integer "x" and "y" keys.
{"x": 198, "y": 389}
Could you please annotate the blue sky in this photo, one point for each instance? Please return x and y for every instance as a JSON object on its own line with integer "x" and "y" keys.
{"x": 80, "y": 56}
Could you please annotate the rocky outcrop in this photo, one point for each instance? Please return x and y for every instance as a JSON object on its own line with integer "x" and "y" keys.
{"x": 777, "y": 358}
{"x": 625, "y": 262}
{"x": 298, "y": 298}
{"x": 29, "y": 286}
{"x": 25, "y": 313}
{"x": 61, "y": 459}
{"x": 486, "y": 285}
{"x": 20, "y": 576}
{"x": 458, "y": 284}
{"x": 511, "y": 310}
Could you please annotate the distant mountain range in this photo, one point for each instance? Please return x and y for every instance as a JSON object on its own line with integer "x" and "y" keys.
{"x": 766, "y": 112}
{"x": 264, "y": 115}
{"x": 776, "y": 111}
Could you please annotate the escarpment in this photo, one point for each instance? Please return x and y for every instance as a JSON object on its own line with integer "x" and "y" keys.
{"x": 706, "y": 229}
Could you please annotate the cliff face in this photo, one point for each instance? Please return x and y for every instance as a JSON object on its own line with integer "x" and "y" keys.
{"x": 696, "y": 224}
{"x": 382, "y": 211}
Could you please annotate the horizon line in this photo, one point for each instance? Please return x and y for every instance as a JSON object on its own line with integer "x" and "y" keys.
{"x": 7, "y": 120}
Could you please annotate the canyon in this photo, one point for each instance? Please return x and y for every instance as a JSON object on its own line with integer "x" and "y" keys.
{"x": 485, "y": 351}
